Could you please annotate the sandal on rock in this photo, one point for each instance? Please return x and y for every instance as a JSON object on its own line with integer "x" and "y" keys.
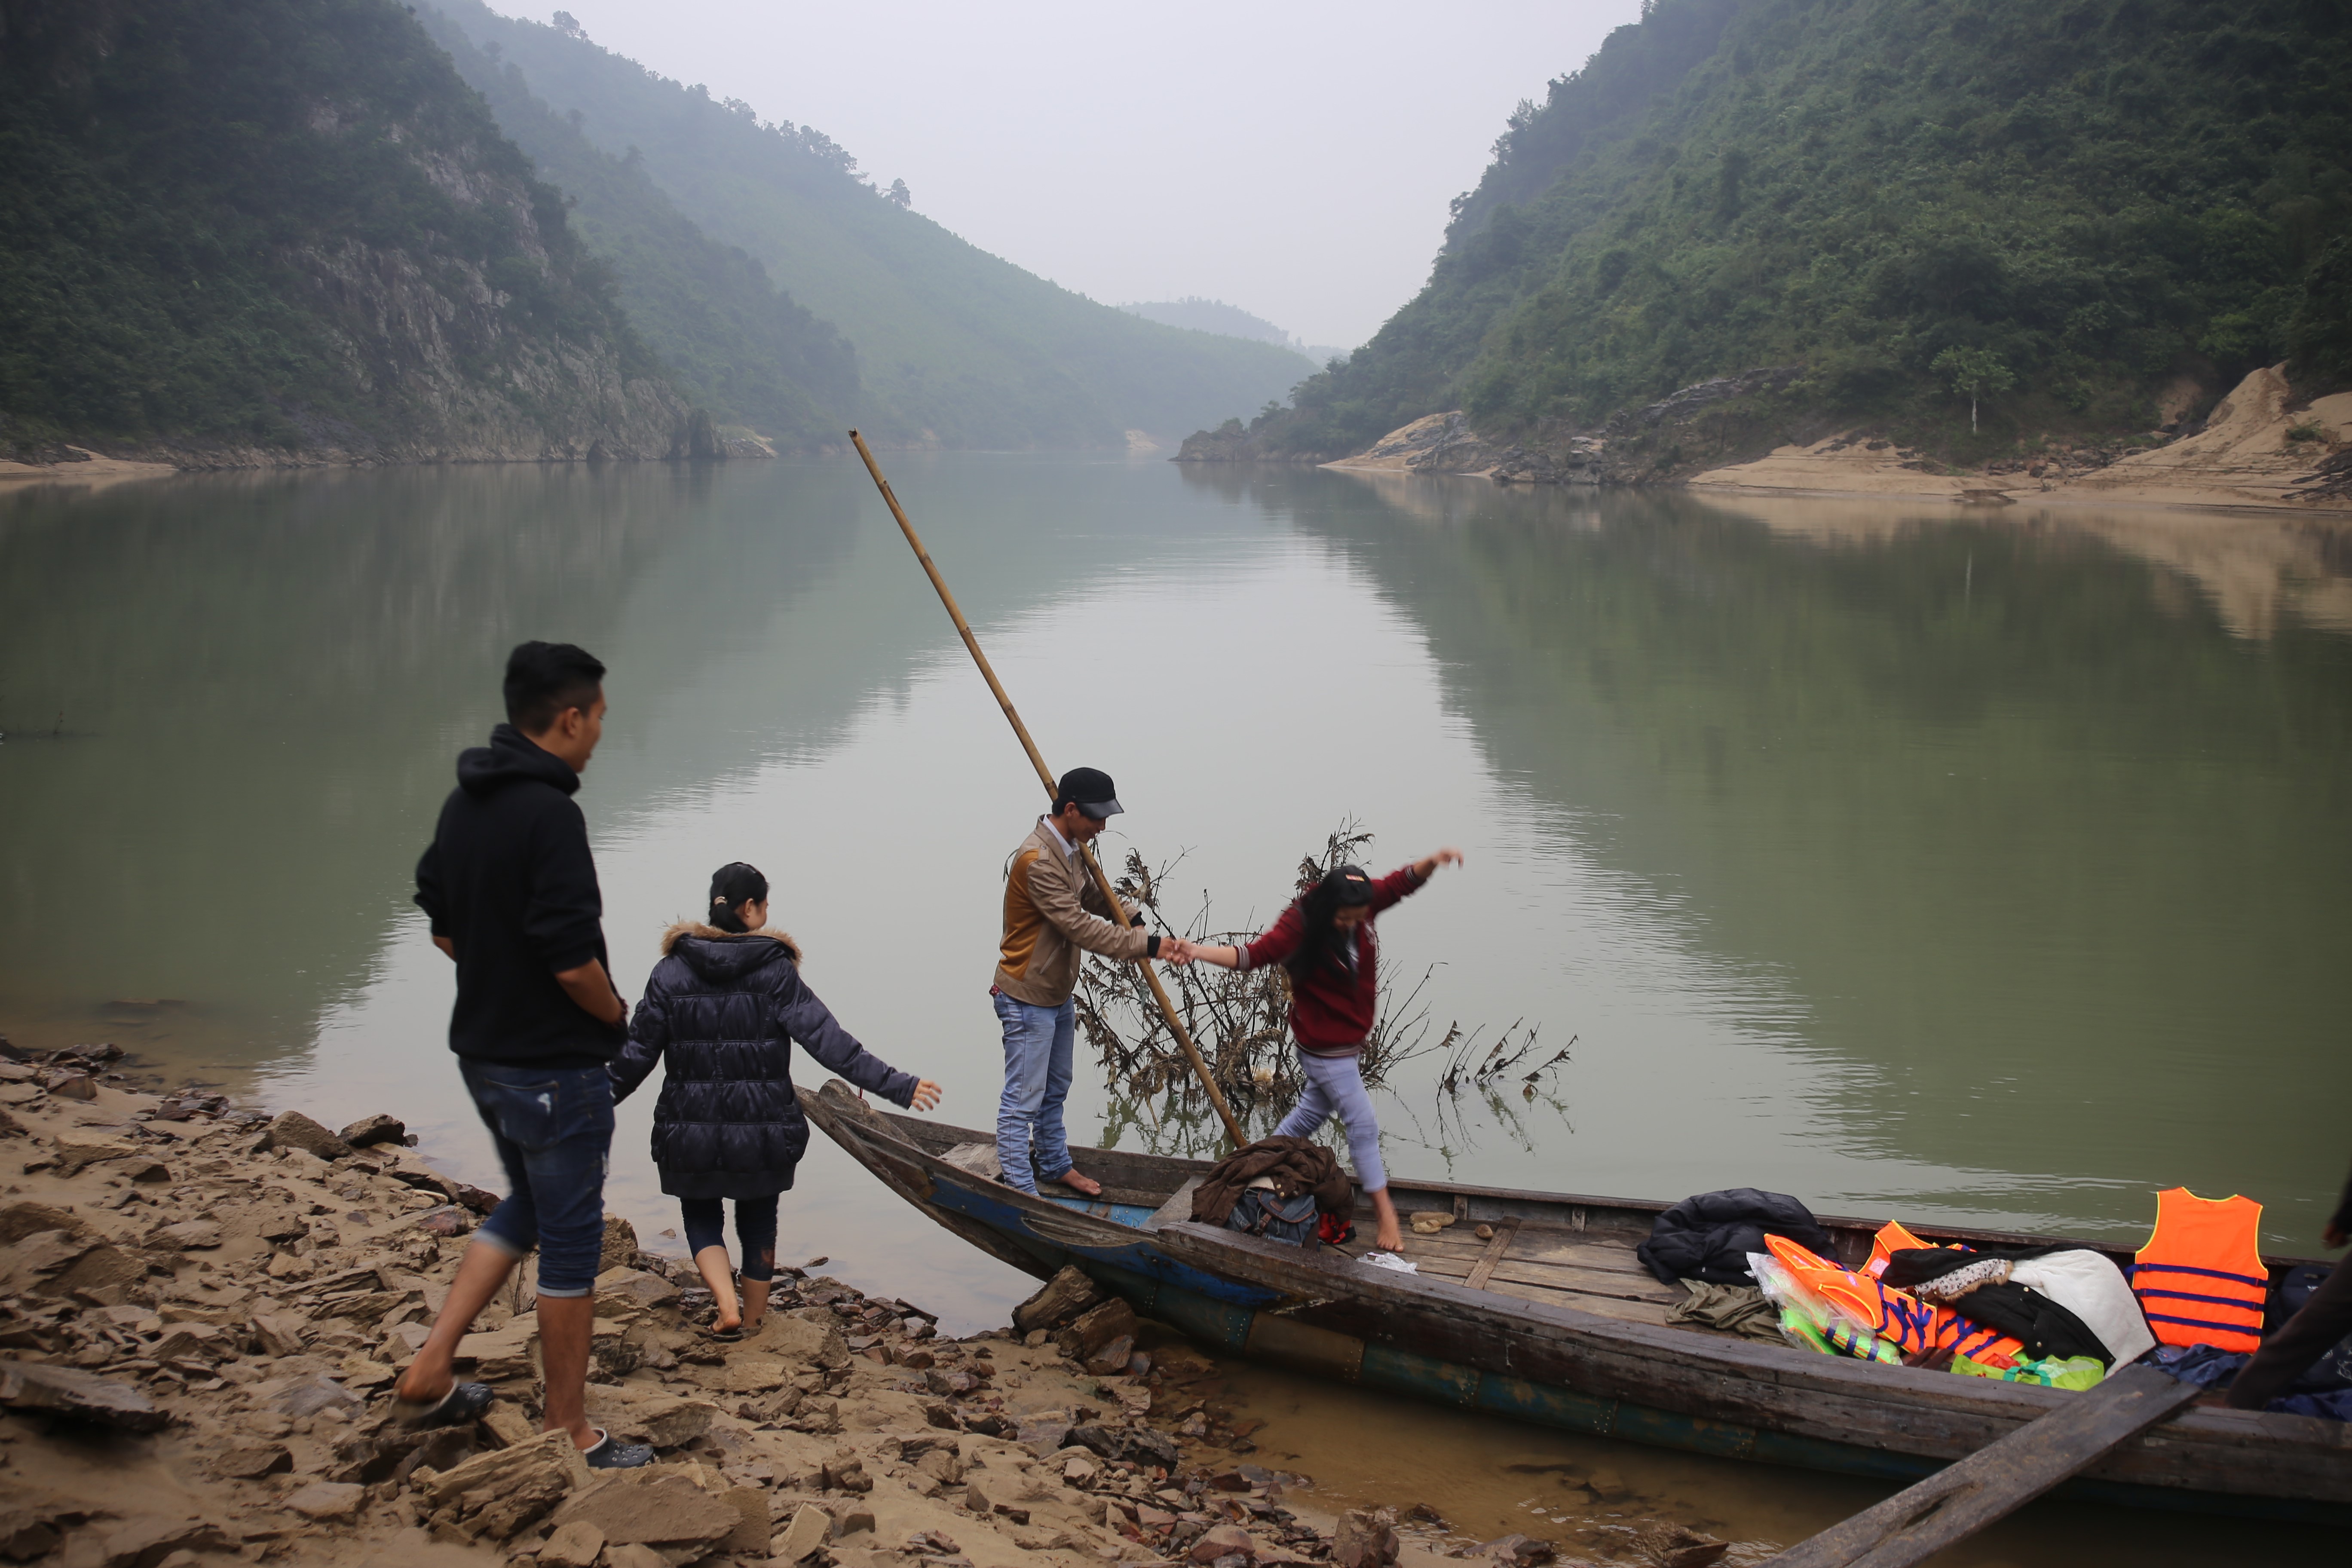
{"x": 608, "y": 1454}
{"x": 724, "y": 1336}
{"x": 465, "y": 1402}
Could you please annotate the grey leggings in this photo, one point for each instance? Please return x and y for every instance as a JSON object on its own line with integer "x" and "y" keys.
{"x": 1335, "y": 1088}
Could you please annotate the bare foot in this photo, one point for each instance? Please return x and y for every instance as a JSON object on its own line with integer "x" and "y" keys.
{"x": 1080, "y": 1182}
{"x": 1390, "y": 1239}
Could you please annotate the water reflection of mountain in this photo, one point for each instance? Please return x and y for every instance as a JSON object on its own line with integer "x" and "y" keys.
{"x": 2054, "y": 858}
{"x": 262, "y": 682}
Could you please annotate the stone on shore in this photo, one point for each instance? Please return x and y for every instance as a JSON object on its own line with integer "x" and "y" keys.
{"x": 376, "y": 1129}
{"x": 32, "y": 1388}
{"x": 809, "y": 1530}
{"x": 1063, "y": 1297}
{"x": 252, "y": 1461}
{"x": 1223, "y": 1540}
{"x": 655, "y": 1506}
{"x": 810, "y": 1337}
{"x": 666, "y": 1421}
{"x": 188, "y": 1235}
{"x": 292, "y": 1130}
{"x": 1366, "y": 1537}
{"x": 145, "y": 1543}
{"x": 619, "y": 1249}
{"x": 328, "y": 1501}
{"x": 574, "y": 1545}
{"x": 624, "y": 1287}
{"x": 1097, "y": 1327}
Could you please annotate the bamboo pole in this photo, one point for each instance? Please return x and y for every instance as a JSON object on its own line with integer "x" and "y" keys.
{"x": 1045, "y": 776}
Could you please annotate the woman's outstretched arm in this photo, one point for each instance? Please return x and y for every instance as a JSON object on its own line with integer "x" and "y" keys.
{"x": 812, "y": 1022}
{"x": 1426, "y": 867}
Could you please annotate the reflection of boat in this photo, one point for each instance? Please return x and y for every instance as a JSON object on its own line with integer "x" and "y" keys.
{"x": 1553, "y": 1320}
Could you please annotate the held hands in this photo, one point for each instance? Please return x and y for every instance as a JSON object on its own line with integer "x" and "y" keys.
{"x": 927, "y": 1095}
{"x": 1175, "y": 950}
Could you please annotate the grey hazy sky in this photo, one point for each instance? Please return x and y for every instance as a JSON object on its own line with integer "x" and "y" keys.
{"x": 1292, "y": 159}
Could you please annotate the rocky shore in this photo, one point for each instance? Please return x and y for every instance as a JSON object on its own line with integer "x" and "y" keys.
{"x": 203, "y": 1309}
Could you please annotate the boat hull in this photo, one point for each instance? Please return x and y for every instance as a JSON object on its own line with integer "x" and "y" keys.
{"x": 1321, "y": 1313}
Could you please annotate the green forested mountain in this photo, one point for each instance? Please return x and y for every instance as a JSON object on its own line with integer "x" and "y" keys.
{"x": 238, "y": 228}
{"x": 733, "y": 342}
{"x": 2074, "y": 204}
{"x": 950, "y": 342}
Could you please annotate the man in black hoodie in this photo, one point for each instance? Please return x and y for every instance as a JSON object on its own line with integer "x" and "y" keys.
{"x": 512, "y": 890}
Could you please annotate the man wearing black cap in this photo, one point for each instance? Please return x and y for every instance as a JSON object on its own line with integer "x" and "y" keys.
{"x": 1052, "y": 909}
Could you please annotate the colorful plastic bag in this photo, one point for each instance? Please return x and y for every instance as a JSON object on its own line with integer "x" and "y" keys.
{"x": 2075, "y": 1372}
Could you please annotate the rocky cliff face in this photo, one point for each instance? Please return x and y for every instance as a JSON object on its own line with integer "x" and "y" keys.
{"x": 254, "y": 232}
{"x": 451, "y": 376}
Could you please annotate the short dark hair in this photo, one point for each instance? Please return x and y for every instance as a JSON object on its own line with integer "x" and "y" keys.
{"x": 543, "y": 679}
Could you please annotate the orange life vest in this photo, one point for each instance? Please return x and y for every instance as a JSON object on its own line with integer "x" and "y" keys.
{"x": 1911, "y": 1325}
{"x": 2200, "y": 1278}
{"x": 1891, "y": 1240}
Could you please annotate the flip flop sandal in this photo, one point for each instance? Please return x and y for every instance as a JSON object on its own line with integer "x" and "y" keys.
{"x": 724, "y": 1336}
{"x": 465, "y": 1402}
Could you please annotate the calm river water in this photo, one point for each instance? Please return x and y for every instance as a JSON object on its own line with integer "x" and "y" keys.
{"x": 1952, "y": 865}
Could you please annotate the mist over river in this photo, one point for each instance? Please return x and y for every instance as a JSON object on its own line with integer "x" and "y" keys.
{"x": 1950, "y": 866}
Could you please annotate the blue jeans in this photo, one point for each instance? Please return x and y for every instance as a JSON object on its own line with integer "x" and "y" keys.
{"x": 755, "y": 1227}
{"x": 553, "y": 1129}
{"x": 1334, "y": 1087}
{"x": 1039, "y": 1043}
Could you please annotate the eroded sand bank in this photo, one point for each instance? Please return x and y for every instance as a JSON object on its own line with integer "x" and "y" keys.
{"x": 2244, "y": 457}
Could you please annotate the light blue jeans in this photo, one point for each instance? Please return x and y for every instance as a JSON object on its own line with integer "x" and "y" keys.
{"x": 1335, "y": 1088}
{"x": 1039, "y": 1049}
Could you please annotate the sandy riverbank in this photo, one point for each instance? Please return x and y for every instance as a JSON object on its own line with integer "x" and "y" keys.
{"x": 2244, "y": 458}
{"x": 93, "y": 470}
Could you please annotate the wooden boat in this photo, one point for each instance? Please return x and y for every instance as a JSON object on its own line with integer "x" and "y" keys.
{"x": 1553, "y": 1320}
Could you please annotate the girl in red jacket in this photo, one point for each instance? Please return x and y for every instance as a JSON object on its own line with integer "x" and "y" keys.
{"x": 1324, "y": 939}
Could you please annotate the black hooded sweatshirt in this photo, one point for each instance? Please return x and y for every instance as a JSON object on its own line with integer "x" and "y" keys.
{"x": 510, "y": 881}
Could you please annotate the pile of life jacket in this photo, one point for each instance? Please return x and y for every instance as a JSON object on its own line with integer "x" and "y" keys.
{"x": 2199, "y": 1280}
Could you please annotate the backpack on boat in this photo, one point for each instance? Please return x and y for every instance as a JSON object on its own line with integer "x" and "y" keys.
{"x": 1260, "y": 1211}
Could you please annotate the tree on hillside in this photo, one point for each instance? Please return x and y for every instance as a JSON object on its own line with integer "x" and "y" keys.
{"x": 900, "y": 194}
{"x": 2319, "y": 335}
{"x": 1974, "y": 373}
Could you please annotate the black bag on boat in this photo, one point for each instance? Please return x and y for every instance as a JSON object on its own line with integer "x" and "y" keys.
{"x": 2026, "y": 1315}
{"x": 1261, "y": 1212}
{"x": 1710, "y": 1235}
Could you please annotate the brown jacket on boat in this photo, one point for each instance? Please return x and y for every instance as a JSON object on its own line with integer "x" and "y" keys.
{"x": 1052, "y": 909}
{"x": 1296, "y": 1165}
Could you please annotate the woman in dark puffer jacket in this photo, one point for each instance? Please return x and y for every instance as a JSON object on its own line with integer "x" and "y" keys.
{"x": 725, "y": 1003}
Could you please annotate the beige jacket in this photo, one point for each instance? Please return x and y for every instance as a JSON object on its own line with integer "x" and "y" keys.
{"x": 1052, "y": 909}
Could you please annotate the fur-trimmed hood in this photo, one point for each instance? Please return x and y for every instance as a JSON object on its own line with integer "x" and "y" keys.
{"x": 718, "y": 955}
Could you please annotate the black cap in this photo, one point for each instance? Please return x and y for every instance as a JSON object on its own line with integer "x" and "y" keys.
{"x": 1350, "y": 884}
{"x": 1091, "y": 790}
